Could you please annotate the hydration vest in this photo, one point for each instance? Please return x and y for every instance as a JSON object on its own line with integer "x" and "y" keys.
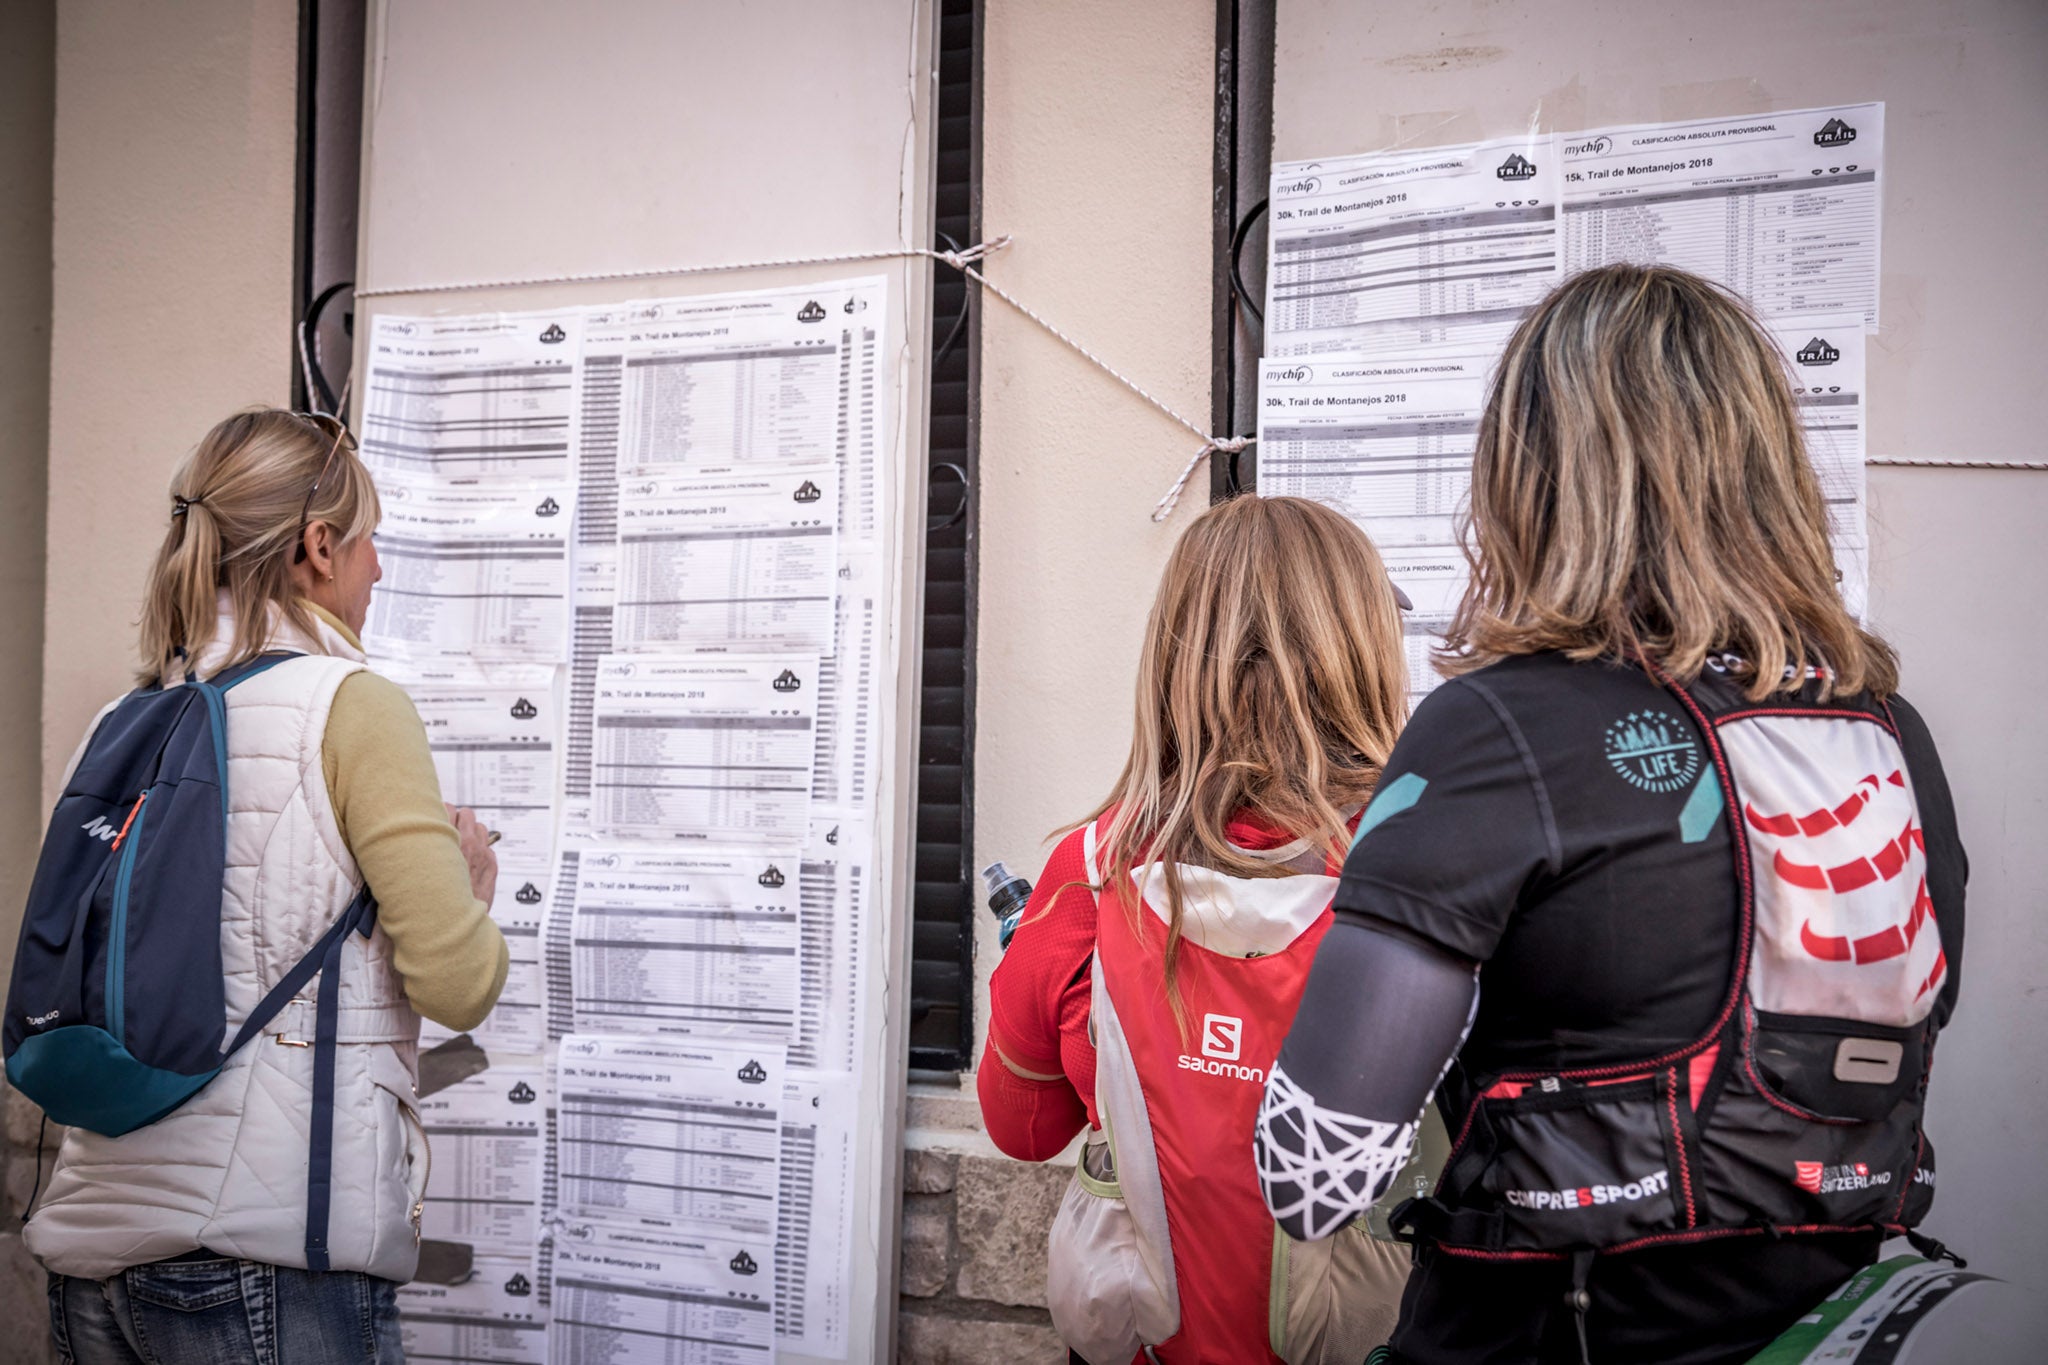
{"x": 1164, "y": 1240}
{"x": 1798, "y": 1110}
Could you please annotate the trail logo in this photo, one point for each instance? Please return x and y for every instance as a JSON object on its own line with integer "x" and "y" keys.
{"x": 772, "y": 878}
{"x": 524, "y": 710}
{"x": 1517, "y": 167}
{"x": 522, "y": 1093}
{"x": 743, "y": 1264}
{"x": 1834, "y": 133}
{"x": 1590, "y": 1196}
{"x": 553, "y": 335}
{"x": 810, "y": 312}
{"x": 808, "y": 493}
{"x": 548, "y": 508}
{"x": 519, "y": 1286}
{"x": 528, "y": 894}
{"x": 99, "y": 829}
{"x": 1819, "y": 1178}
{"x": 1653, "y": 750}
{"x": 1817, "y": 352}
{"x": 832, "y": 835}
{"x": 752, "y": 1073}
{"x": 788, "y": 682}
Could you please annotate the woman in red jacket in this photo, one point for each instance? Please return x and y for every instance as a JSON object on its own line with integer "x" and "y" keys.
{"x": 1158, "y": 965}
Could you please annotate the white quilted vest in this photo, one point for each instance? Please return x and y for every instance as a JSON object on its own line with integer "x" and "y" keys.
{"x": 227, "y": 1171}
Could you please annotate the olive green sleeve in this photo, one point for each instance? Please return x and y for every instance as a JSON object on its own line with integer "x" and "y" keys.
{"x": 387, "y": 798}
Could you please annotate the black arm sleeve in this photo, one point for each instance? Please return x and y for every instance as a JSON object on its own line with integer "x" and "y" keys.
{"x": 1948, "y": 866}
{"x": 1382, "y": 1017}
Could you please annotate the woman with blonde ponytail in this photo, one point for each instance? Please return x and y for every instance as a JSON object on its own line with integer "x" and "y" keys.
{"x": 1159, "y": 961}
{"x": 187, "y": 1239}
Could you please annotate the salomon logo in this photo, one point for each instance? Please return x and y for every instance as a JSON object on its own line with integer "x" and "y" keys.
{"x": 810, "y": 312}
{"x": 553, "y": 334}
{"x": 743, "y": 1264}
{"x": 1818, "y": 352}
{"x": 99, "y": 829}
{"x": 771, "y": 878}
{"x": 752, "y": 1073}
{"x": 518, "y": 1286}
{"x": 1590, "y": 1196}
{"x": 521, "y": 1093}
{"x": 548, "y": 508}
{"x": 808, "y": 493}
{"x": 524, "y": 710}
{"x": 788, "y": 682}
{"x": 1222, "y": 1036}
{"x": 1834, "y": 133}
{"x": 1517, "y": 167}
{"x": 528, "y": 894}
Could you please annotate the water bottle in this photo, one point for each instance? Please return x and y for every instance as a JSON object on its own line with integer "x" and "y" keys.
{"x": 1008, "y": 893}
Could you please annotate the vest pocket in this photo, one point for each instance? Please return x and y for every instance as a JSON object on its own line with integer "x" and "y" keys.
{"x": 1103, "y": 1300}
{"x": 1575, "y": 1166}
{"x": 1334, "y": 1300}
{"x": 1836, "y": 1070}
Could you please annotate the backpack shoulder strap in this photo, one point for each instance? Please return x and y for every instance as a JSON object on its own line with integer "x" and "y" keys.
{"x": 231, "y": 677}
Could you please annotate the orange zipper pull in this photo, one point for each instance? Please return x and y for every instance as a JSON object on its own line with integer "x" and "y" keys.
{"x": 132, "y": 812}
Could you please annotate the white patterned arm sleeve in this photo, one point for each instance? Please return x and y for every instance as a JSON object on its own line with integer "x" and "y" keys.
{"x": 1380, "y": 1023}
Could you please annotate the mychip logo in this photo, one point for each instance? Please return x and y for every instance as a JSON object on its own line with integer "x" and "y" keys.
{"x": 1590, "y": 1196}
{"x": 1517, "y": 167}
{"x": 1293, "y": 374}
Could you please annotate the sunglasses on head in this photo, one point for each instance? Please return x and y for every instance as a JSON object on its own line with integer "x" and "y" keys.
{"x": 326, "y": 421}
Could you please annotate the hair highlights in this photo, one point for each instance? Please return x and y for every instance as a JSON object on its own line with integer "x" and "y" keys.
{"x": 1272, "y": 679}
{"x": 240, "y": 496}
{"x": 1641, "y": 492}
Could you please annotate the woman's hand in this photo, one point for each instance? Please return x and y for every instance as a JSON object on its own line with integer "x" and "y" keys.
{"x": 477, "y": 852}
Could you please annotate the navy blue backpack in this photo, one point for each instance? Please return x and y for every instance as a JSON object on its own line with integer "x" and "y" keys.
{"x": 115, "y": 1015}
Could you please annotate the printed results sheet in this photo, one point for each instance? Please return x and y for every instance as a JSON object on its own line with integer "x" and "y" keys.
{"x": 634, "y": 586}
{"x": 1393, "y": 272}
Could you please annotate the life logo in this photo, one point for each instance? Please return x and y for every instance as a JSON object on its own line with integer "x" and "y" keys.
{"x": 1516, "y": 167}
{"x": 1653, "y": 750}
{"x": 1222, "y": 1046}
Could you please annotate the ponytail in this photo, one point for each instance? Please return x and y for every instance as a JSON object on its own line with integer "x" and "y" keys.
{"x": 239, "y": 503}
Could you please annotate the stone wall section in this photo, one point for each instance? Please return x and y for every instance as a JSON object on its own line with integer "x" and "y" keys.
{"x": 974, "y": 1228}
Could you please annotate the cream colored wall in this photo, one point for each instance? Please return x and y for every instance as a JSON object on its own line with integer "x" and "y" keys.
{"x": 171, "y": 297}
{"x": 28, "y": 72}
{"x": 1096, "y": 123}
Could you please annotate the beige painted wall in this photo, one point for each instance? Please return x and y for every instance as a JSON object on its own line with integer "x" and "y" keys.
{"x": 28, "y": 72}
{"x": 1095, "y": 154}
{"x": 171, "y": 297}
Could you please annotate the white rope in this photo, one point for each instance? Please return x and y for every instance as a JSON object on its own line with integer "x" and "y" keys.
{"x": 1902, "y": 461}
{"x": 962, "y": 260}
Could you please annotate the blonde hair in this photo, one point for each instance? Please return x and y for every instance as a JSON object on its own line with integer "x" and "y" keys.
{"x": 1641, "y": 492}
{"x": 239, "y": 503}
{"x": 1272, "y": 679}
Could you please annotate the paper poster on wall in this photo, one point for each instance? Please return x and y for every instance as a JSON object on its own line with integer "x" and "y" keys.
{"x": 486, "y": 1136}
{"x": 490, "y": 393}
{"x": 1386, "y": 251}
{"x": 474, "y": 568}
{"x": 493, "y": 1318}
{"x": 814, "y": 1239}
{"x": 1824, "y": 357}
{"x": 1782, "y": 208}
{"x": 630, "y": 1294}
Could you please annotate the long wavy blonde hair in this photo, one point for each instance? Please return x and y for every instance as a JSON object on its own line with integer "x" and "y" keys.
{"x": 1272, "y": 680}
{"x": 1641, "y": 492}
{"x": 238, "y": 504}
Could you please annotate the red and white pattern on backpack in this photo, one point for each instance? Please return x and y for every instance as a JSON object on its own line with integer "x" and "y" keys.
{"x": 1844, "y": 925}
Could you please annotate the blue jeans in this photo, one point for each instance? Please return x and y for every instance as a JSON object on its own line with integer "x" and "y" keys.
{"x": 214, "y": 1311}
